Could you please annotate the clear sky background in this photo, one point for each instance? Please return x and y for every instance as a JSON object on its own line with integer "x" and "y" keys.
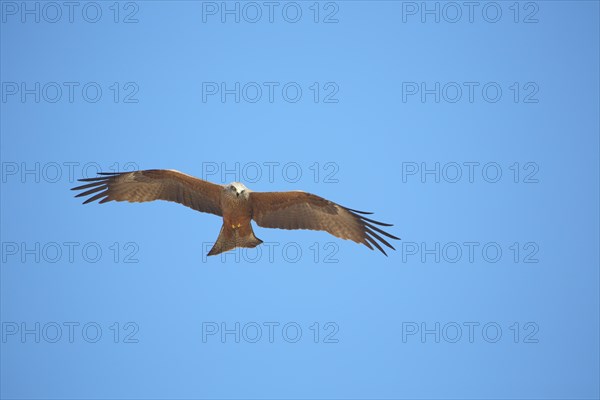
{"x": 473, "y": 130}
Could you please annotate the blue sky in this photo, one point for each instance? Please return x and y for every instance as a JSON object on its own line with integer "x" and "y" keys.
{"x": 474, "y": 130}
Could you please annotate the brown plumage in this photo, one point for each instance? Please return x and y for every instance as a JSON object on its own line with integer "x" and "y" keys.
{"x": 238, "y": 206}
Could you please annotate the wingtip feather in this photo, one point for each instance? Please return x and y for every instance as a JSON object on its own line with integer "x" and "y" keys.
{"x": 374, "y": 242}
{"x": 358, "y": 211}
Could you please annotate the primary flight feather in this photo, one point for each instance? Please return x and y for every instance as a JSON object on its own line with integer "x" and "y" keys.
{"x": 238, "y": 205}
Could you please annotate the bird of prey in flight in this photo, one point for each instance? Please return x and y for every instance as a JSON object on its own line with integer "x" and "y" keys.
{"x": 238, "y": 205}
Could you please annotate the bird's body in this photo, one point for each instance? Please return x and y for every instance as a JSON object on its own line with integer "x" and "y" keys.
{"x": 237, "y": 214}
{"x": 238, "y": 206}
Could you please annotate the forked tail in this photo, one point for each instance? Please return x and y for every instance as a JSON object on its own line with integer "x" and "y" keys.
{"x": 231, "y": 237}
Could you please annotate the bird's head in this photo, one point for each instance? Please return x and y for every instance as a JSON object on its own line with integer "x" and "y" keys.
{"x": 238, "y": 190}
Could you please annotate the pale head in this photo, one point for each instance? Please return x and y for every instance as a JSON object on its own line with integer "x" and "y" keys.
{"x": 237, "y": 189}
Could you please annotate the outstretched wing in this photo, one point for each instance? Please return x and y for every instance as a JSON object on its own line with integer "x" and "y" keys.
{"x": 300, "y": 210}
{"x": 154, "y": 184}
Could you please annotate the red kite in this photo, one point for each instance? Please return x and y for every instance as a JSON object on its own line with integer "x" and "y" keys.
{"x": 238, "y": 205}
